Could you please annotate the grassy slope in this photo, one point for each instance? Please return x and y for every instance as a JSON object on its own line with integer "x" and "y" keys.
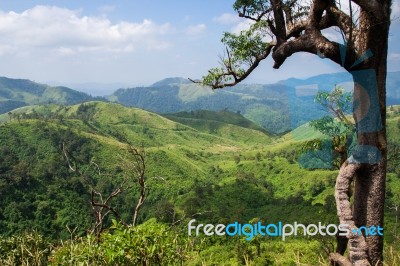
{"x": 194, "y": 148}
{"x": 199, "y": 168}
{"x": 20, "y": 92}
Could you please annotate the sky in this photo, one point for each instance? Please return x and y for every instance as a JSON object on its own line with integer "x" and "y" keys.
{"x": 103, "y": 43}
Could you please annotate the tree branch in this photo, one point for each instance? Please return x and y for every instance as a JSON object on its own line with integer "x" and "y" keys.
{"x": 312, "y": 42}
{"x": 231, "y": 72}
{"x": 67, "y": 156}
{"x": 104, "y": 205}
{"x": 279, "y": 18}
{"x": 287, "y": 9}
{"x": 371, "y": 6}
{"x": 140, "y": 168}
{"x": 242, "y": 14}
{"x": 340, "y": 19}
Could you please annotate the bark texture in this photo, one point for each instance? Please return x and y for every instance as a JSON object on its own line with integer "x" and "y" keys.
{"x": 369, "y": 195}
{"x": 358, "y": 249}
{"x": 365, "y": 31}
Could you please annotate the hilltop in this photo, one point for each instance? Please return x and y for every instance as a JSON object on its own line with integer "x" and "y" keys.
{"x": 15, "y": 93}
{"x": 277, "y": 108}
{"x": 214, "y": 167}
{"x": 202, "y": 148}
{"x": 211, "y": 121}
{"x": 269, "y": 106}
{"x": 99, "y": 131}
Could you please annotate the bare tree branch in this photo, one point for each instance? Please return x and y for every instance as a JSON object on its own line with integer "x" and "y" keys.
{"x": 67, "y": 156}
{"x": 139, "y": 167}
{"x": 100, "y": 205}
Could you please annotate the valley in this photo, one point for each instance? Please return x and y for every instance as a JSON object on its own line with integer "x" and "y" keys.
{"x": 216, "y": 167}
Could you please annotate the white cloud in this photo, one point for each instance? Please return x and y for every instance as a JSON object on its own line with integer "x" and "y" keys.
{"x": 394, "y": 56}
{"x": 243, "y": 25}
{"x": 227, "y": 19}
{"x": 237, "y": 24}
{"x": 5, "y": 49}
{"x": 396, "y": 9}
{"x": 68, "y": 32}
{"x": 196, "y": 29}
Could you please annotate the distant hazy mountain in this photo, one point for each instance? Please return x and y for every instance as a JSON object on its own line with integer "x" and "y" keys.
{"x": 15, "y": 93}
{"x": 96, "y": 89}
{"x": 393, "y": 88}
{"x": 328, "y": 81}
{"x": 272, "y": 106}
{"x": 276, "y": 107}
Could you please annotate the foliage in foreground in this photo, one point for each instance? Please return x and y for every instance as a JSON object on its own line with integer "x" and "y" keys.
{"x": 151, "y": 243}
{"x": 236, "y": 184}
{"x": 154, "y": 243}
{"x": 29, "y": 248}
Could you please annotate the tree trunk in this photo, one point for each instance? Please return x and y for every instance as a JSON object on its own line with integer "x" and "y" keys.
{"x": 369, "y": 196}
{"x": 370, "y": 118}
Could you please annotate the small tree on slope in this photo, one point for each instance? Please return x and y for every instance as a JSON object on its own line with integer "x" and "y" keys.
{"x": 282, "y": 28}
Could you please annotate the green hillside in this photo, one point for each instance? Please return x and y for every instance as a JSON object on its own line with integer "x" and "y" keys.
{"x": 15, "y": 93}
{"x": 278, "y": 108}
{"x": 220, "y": 123}
{"x": 233, "y": 173}
{"x": 270, "y": 106}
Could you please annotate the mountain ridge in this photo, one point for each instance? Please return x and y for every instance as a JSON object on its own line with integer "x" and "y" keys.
{"x": 15, "y": 93}
{"x": 278, "y": 107}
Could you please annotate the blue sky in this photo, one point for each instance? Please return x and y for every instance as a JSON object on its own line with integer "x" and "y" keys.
{"x": 133, "y": 42}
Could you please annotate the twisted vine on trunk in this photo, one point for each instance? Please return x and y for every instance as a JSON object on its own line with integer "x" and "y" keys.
{"x": 357, "y": 245}
{"x": 283, "y": 28}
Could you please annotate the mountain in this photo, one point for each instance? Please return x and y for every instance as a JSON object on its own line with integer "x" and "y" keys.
{"x": 109, "y": 115}
{"x": 393, "y": 88}
{"x": 211, "y": 121}
{"x": 234, "y": 172}
{"x": 38, "y": 186}
{"x": 98, "y": 89}
{"x": 171, "y": 81}
{"x": 278, "y": 107}
{"x": 273, "y": 107}
{"x": 15, "y": 93}
{"x": 328, "y": 81}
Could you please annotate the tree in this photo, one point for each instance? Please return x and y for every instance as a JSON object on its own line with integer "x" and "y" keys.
{"x": 337, "y": 126}
{"x": 134, "y": 172}
{"x": 283, "y": 27}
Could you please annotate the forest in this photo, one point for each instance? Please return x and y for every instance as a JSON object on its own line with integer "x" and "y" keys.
{"x": 214, "y": 171}
{"x": 126, "y": 178}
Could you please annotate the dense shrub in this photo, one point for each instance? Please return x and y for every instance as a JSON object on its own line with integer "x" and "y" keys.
{"x": 151, "y": 243}
{"x": 27, "y": 248}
